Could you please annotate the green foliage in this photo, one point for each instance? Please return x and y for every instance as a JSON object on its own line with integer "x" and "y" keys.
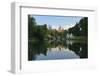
{"x": 35, "y": 31}
{"x": 84, "y": 26}
{"x": 80, "y": 29}
{"x": 41, "y": 32}
{"x": 75, "y": 30}
{"x": 41, "y": 38}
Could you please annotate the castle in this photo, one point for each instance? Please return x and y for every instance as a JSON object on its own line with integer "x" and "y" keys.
{"x": 60, "y": 29}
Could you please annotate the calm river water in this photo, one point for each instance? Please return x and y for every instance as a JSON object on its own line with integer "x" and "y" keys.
{"x": 50, "y": 50}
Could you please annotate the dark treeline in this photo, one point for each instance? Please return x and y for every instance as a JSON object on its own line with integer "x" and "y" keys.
{"x": 81, "y": 28}
{"x": 35, "y": 31}
{"x": 41, "y": 32}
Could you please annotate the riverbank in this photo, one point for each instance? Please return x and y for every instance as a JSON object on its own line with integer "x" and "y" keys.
{"x": 78, "y": 38}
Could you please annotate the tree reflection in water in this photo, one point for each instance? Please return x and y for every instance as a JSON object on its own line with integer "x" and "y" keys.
{"x": 36, "y": 48}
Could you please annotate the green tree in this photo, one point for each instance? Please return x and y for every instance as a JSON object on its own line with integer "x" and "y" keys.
{"x": 35, "y": 31}
{"x": 80, "y": 29}
{"x": 31, "y": 26}
{"x": 84, "y": 26}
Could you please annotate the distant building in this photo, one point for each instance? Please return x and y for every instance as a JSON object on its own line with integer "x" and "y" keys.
{"x": 50, "y": 27}
{"x": 60, "y": 29}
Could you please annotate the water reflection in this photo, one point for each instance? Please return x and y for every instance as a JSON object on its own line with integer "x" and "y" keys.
{"x": 49, "y": 50}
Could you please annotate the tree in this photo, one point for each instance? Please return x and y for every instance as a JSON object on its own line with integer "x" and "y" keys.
{"x": 80, "y": 29}
{"x": 84, "y": 26}
{"x": 31, "y": 26}
{"x": 35, "y": 31}
{"x": 75, "y": 30}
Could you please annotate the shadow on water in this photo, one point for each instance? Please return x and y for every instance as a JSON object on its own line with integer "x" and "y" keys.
{"x": 44, "y": 49}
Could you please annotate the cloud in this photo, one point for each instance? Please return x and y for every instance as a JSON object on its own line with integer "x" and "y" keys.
{"x": 65, "y": 27}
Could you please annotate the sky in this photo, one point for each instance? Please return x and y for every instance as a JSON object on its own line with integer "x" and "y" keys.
{"x": 56, "y": 21}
